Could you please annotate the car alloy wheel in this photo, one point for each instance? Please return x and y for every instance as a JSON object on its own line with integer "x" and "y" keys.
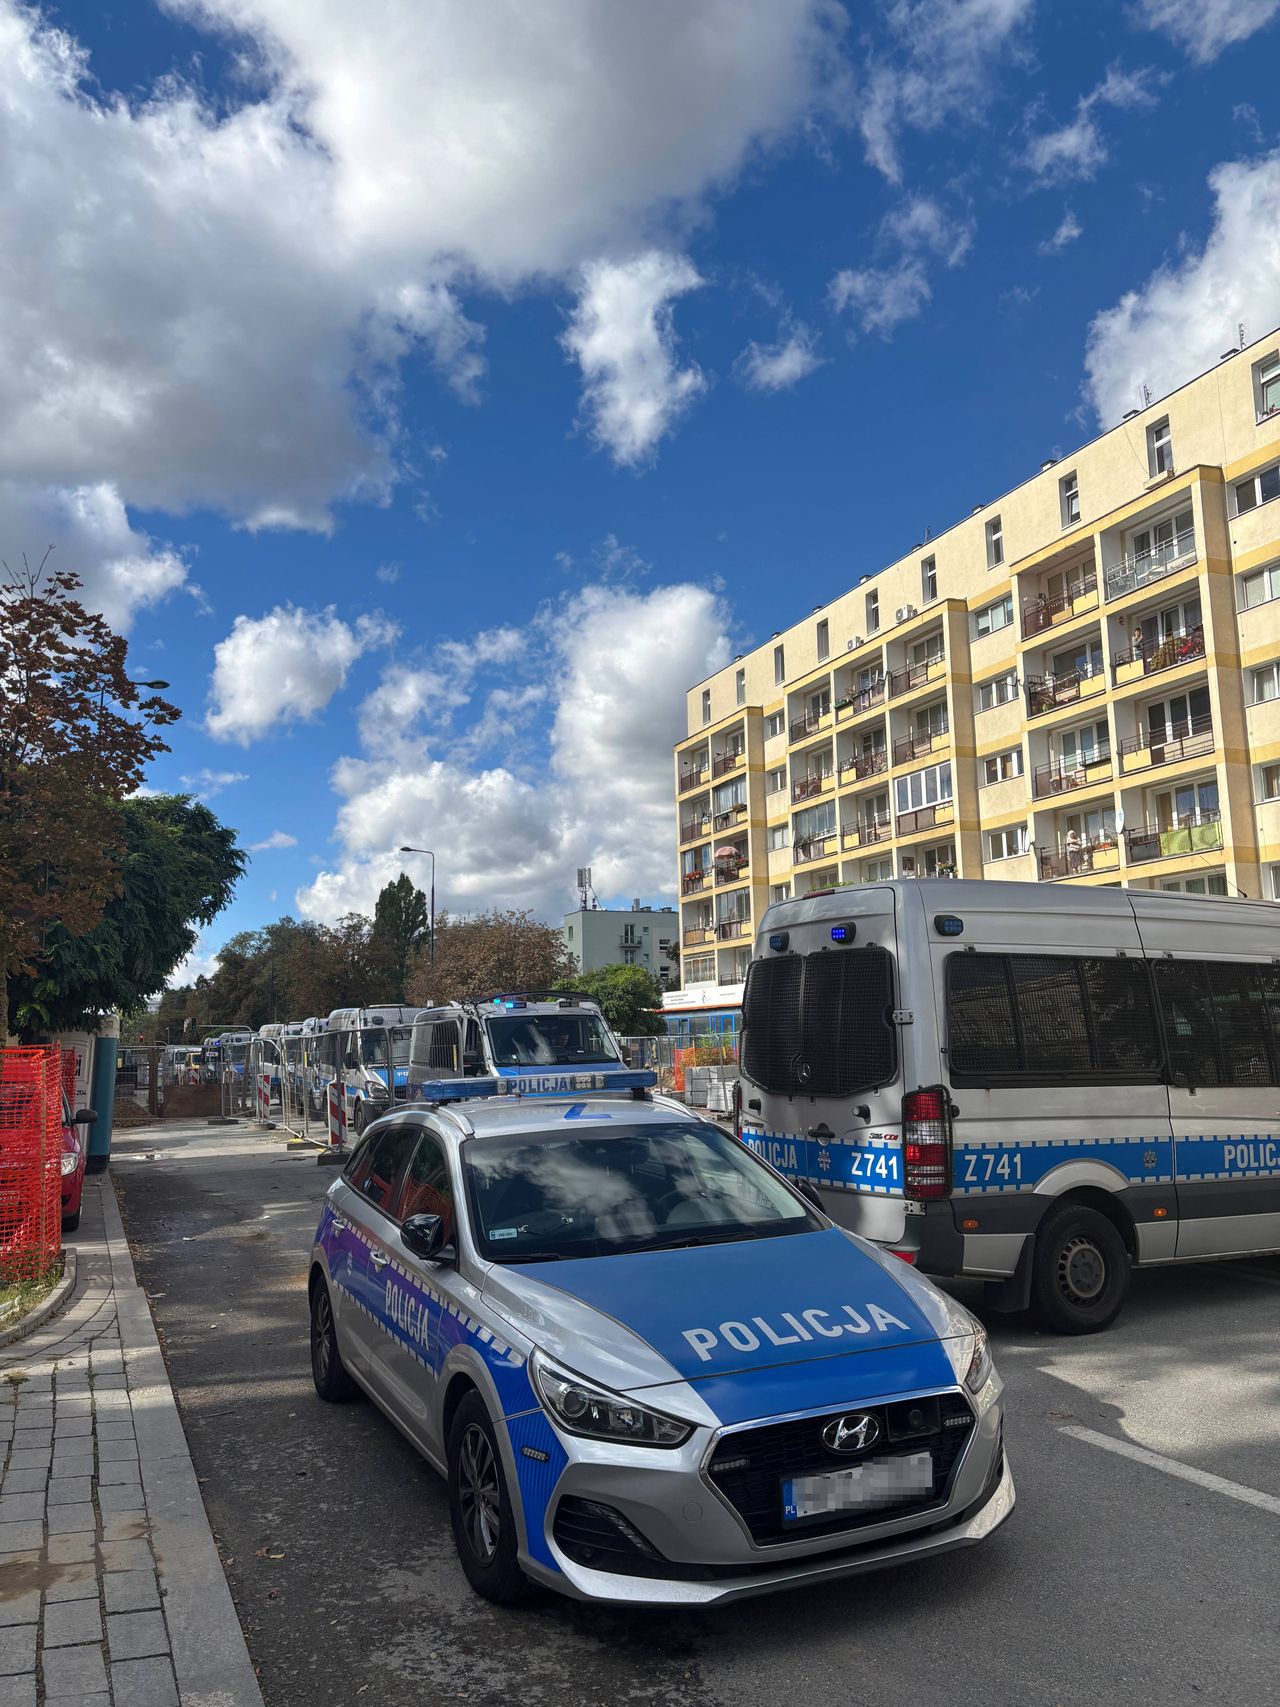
{"x": 479, "y": 1494}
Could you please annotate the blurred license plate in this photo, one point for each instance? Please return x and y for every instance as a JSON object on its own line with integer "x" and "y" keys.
{"x": 878, "y": 1481}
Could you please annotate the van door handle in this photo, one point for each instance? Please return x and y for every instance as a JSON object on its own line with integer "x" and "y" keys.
{"x": 379, "y": 1259}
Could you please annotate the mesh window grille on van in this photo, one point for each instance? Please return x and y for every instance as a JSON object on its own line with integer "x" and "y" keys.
{"x": 1051, "y": 1020}
{"x": 1221, "y": 1021}
{"x": 820, "y": 1024}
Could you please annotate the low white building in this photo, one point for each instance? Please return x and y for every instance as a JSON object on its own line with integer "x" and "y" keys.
{"x": 642, "y": 936}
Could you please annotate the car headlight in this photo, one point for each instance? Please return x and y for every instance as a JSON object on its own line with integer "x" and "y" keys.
{"x": 70, "y": 1161}
{"x": 970, "y": 1357}
{"x": 581, "y": 1407}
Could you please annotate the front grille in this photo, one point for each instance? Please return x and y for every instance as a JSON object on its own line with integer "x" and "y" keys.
{"x": 749, "y": 1468}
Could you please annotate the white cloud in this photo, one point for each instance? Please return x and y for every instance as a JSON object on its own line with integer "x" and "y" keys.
{"x": 389, "y": 573}
{"x": 777, "y": 366}
{"x": 1184, "y": 316}
{"x": 1069, "y": 230}
{"x": 209, "y": 306}
{"x": 938, "y": 67}
{"x": 284, "y": 667}
{"x": 277, "y": 839}
{"x": 1206, "y": 27}
{"x": 513, "y": 804}
{"x": 883, "y": 297}
{"x": 622, "y": 336}
{"x": 1078, "y": 149}
{"x": 204, "y": 784}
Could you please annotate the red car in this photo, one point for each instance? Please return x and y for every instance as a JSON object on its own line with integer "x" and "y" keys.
{"x": 74, "y": 1154}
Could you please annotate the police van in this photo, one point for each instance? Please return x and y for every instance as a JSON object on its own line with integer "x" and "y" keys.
{"x": 552, "y": 1044}
{"x": 371, "y": 1046}
{"x": 1038, "y": 1086}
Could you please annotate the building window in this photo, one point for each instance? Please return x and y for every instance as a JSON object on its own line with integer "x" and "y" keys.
{"x": 1159, "y": 448}
{"x": 628, "y": 957}
{"x": 995, "y": 543}
{"x": 930, "y": 650}
{"x": 1269, "y": 782}
{"x": 999, "y": 691}
{"x": 568, "y": 930}
{"x": 996, "y": 616}
{"x": 1259, "y": 488}
{"x": 780, "y": 892}
{"x": 774, "y": 724}
{"x": 775, "y": 780}
{"x": 629, "y": 934}
{"x": 824, "y": 640}
{"x": 873, "y": 613}
{"x": 778, "y": 835}
{"x": 740, "y": 687}
{"x": 1266, "y": 684}
{"x": 1266, "y": 379}
{"x": 706, "y": 705}
{"x": 877, "y": 871}
{"x": 929, "y": 580}
{"x": 1214, "y": 884}
{"x": 1069, "y": 495}
{"x": 1260, "y": 587}
{"x": 1008, "y": 843}
{"x": 925, "y": 787}
{"x": 779, "y": 665}
{"x": 1002, "y": 767}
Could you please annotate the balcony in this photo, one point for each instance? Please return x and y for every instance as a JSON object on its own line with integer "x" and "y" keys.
{"x": 926, "y": 818}
{"x": 919, "y": 745}
{"x": 1145, "y": 842}
{"x": 1193, "y": 739}
{"x": 865, "y": 699}
{"x": 1047, "y": 693}
{"x": 810, "y": 787}
{"x": 869, "y": 764}
{"x": 866, "y": 835}
{"x": 916, "y": 676}
{"x": 731, "y": 871}
{"x": 1144, "y": 567}
{"x": 812, "y": 723}
{"x": 698, "y": 934}
{"x": 1101, "y": 854}
{"x": 692, "y": 881}
{"x": 1043, "y": 613}
{"x": 1173, "y": 650}
{"x": 1062, "y": 779}
{"x": 695, "y": 828}
{"x": 727, "y": 820}
{"x": 728, "y": 929}
{"x": 725, "y": 762}
{"x": 693, "y": 776}
{"x": 810, "y": 848}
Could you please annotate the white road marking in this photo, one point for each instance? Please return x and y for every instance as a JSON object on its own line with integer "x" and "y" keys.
{"x": 1171, "y": 1467}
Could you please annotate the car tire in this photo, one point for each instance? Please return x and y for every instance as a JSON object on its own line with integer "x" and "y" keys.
{"x": 70, "y": 1223}
{"x": 328, "y": 1371}
{"x": 484, "y": 1527}
{"x": 1080, "y": 1272}
{"x": 360, "y": 1118}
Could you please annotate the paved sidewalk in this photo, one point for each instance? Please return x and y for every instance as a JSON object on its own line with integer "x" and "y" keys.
{"x": 111, "y": 1590}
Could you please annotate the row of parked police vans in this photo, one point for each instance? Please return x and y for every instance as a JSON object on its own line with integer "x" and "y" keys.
{"x": 1040, "y": 1087}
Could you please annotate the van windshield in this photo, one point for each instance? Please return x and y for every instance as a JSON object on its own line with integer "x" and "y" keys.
{"x": 550, "y": 1040}
{"x": 820, "y": 1024}
{"x": 374, "y": 1045}
{"x": 642, "y": 1188}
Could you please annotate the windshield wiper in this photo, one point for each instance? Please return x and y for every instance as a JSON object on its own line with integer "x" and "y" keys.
{"x": 532, "y": 1256}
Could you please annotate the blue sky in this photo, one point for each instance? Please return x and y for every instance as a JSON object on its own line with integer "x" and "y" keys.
{"x": 435, "y": 391}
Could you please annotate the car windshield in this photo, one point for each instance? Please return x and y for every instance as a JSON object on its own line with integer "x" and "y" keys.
{"x": 640, "y": 1188}
{"x": 374, "y": 1043}
{"x": 550, "y": 1040}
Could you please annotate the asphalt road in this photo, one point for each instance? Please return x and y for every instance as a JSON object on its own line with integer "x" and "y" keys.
{"x": 1115, "y": 1581}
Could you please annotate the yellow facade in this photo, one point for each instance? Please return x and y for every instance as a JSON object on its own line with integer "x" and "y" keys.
{"x": 1078, "y": 683}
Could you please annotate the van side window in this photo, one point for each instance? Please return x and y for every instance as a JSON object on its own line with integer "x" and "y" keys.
{"x": 1050, "y": 1019}
{"x": 1220, "y": 1020}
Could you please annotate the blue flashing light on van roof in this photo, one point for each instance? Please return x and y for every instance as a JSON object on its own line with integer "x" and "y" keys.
{"x": 842, "y": 933}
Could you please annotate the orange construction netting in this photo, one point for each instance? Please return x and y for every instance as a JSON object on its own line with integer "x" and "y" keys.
{"x": 30, "y": 1162}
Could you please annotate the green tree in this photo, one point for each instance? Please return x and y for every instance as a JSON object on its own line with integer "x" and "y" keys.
{"x": 494, "y": 951}
{"x": 401, "y": 925}
{"x": 175, "y": 871}
{"x": 72, "y": 747}
{"x": 627, "y": 996}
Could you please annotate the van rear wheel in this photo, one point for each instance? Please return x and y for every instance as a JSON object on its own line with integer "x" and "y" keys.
{"x": 1080, "y": 1274}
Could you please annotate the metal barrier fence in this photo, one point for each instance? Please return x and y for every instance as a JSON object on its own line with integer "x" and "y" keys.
{"x": 702, "y": 1072}
{"x": 30, "y": 1162}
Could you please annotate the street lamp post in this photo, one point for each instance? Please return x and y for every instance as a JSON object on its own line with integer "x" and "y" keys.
{"x": 432, "y": 925}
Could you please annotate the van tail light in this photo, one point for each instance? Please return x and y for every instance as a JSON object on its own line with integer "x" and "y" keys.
{"x": 926, "y": 1143}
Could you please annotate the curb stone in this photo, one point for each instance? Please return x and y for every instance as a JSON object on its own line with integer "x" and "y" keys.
{"x": 47, "y": 1306}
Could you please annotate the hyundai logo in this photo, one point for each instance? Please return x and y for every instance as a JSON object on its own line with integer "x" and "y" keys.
{"x": 853, "y": 1433}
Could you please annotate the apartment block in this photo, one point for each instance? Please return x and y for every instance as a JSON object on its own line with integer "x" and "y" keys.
{"x": 1079, "y": 683}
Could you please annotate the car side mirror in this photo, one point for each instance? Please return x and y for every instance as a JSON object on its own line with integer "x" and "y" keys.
{"x": 424, "y": 1236}
{"x": 810, "y": 1194}
{"x": 84, "y": 1117}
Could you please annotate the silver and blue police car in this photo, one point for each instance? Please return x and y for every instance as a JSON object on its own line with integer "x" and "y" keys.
{"x": 650, "y": 1369}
